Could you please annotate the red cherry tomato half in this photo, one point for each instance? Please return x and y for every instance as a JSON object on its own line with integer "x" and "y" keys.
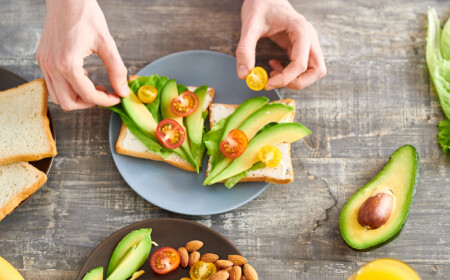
{"x": 234, "y": 144}
{"x": 170, "y": 133}
{"x": 185, "y": 104}
{"x": 165, "y": 260}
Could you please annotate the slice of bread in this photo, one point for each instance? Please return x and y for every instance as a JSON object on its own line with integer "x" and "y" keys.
{"x": 283, "y": 173}
{"x": 24, "y": 127}
{"x": 129, "y": 145}
{"x": 18, "y": 181}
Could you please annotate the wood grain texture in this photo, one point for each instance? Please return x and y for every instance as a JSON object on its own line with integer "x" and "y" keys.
{"x": 376, "y": 97}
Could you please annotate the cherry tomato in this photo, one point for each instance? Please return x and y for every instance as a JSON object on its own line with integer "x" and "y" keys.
{"x": 257, "y": 79}
{"x": 165, "y": 260}
{"x": 270, "y": 156}
{"x": 185, "y": 104}
{"x": 170, "y": 133}
{"x": 234, "y": 144}
{"x": 202, "y": 271}
{"x": 147, "y": 94}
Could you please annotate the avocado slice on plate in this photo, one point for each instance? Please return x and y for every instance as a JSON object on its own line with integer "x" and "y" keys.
{"x": 139, "y": 113}
{"x": 279, "y": 133}
{"x": 195, "y": 123}
{"x": 133, "y": 238}
{"x": 376, "y": 213}
{"x": 269, "y": 113}
{"x": 94, "y": 274}
{"x": 168, "y": 93}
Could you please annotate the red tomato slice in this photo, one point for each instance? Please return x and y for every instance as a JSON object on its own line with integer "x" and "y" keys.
{"x": 185, "y": 104}
{"x": 170, "y": 133}
{"x": 165, "y": 260}
{"x": 234, "y": 144}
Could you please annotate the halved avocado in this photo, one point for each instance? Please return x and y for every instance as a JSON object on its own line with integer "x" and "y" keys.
{"x": 168, "y": 93}
{"x": 279, "y": 133}
{"x": 399, "y": 178}
{"x": 267, "y": 114}
{"x": 131, "y": 239}
{"x": 139, "y": 113}
{"x": 94, "y": 274}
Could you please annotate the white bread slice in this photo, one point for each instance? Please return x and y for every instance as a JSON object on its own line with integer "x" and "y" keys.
{"x": 24, "y": 127}
{"x": 18, "y": 181}
{"x": 283, "y": 173}
{"x": 129, "y": 145}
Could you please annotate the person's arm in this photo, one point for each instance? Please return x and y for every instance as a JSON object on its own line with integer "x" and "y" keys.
{"x": 278, "y": 20}
{"x": 73, "y": 30}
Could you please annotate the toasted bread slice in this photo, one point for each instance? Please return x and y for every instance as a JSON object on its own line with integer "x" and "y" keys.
{"x": 24, "y": 127}
{"x": 129, "y": 145}
{"x": 18, "y": 181}
{"x": 283, "y": 173}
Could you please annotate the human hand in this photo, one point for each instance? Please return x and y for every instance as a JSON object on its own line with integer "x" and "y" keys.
{"x": 278, "y": 20}
{"x": 72, "y": 31}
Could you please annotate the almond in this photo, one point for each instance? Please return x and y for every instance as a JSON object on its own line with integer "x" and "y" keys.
{"x": 237, "y": 260}
{"x": 209, "y": 258}
{"x": 236, "y": 273}
{"x": 184, "y": 257}
{"x": 220, "y": 275}
{"x": 194, "y": 257}
{"x": 221, "y": 264}
{"x": 243, "y": 277}
{"x": 227, "y": 269}
{"x": 250, "y": 272}
{"x": 193, "y": 245}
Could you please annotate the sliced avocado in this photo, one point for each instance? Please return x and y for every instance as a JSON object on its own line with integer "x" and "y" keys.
{"x": 131, "y": 239}
{"x": 132, "y": 260}
{"x": 139, "y": 113}
{"x": 168, "y": 93}
{"x": 274, "y": 112}
{"x": 195, "y": 123}
{"x": 279, "y": 133}
{"x": 94, "y": 274}
{"x": 399, "y": 178}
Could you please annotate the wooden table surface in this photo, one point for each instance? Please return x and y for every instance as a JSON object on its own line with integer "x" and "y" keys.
{"x": 376, "y": 97}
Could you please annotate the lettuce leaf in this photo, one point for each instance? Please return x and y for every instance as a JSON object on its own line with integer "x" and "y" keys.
{"x": 230, "y": 182}
{"x": 151, "y": 143}
{"x": 438, "y": 59}
{"x": 212, "y": 139}
{"x": 158, "y": 83}
{"x": 444, "y": 135}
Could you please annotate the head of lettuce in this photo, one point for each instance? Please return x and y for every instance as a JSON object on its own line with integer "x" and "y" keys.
{"x": 438, "y": 60}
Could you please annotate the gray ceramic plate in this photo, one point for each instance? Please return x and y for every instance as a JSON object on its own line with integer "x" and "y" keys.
{"x": 169, "y": 187}
{"x": 166, "y": 232}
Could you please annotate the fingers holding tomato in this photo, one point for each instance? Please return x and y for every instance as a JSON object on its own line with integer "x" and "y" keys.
{"x": 170, "y": 133}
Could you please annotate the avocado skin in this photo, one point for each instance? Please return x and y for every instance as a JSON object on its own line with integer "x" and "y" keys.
{"x": 399, "y": 230}
{"x": 131, "y": 239}
{"x": 94, "y": 274}
{"x": 279, "y": 133}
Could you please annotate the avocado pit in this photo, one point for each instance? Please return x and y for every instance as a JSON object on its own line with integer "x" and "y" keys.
{"x": 376, "y": 210}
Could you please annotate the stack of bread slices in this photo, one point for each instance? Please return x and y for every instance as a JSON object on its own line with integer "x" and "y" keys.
{"x": 25, "y": 135}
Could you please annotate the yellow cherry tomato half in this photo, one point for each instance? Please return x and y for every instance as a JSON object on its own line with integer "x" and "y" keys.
{"x": 202, "y": 270}
{"x": 147, "y": 94}
{"x": 270, "y": 156}
{"x": 257, "y": 79}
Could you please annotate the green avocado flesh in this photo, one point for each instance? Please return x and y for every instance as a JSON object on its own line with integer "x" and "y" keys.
{"x": 94, "y": 274}
{"x": 136, "y": 246}
{"x": 267, "y": 114}
{"x": 195, "y": 122}
{"x": 279, "y": 133}
{"x": 400, "y": 177}
{"x": 169, "y": 92}
{"x": 139, "y": 113}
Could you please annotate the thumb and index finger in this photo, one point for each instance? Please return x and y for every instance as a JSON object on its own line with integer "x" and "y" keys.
{"x": 245, "y": 52}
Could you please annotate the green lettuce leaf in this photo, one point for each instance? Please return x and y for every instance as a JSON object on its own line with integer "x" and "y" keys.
{"x": 212, "y": 139}
{"x": 444, "y": 135}
{"x": 181, "y": 88}
{"x": 158, "y": 83}
{"x": 151, "y": 143}
{"x": 438, "y": 59}
{"x": 230, "y": 182}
